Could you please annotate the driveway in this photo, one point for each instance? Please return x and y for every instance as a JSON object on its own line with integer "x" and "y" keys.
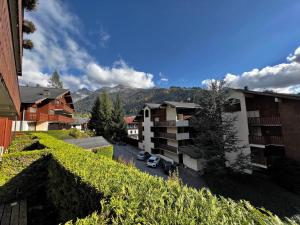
{"x": 129, "y": 153}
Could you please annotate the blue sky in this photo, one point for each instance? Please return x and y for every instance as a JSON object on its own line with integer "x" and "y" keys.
{"x": 166, "y": 43}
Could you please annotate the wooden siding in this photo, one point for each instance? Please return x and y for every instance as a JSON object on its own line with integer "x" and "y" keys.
{"x": 5, "y": 132}
{"x": 8, "y": 69}
{"x": 290, "y": 118}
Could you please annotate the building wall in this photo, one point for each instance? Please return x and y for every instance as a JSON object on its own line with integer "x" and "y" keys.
{"x": 194, "y": 164}
{"x": 171, "y": 114}
{"x": 290, "y": 119}
{"x": 148, "y": 145}
{"x": 8, "y": 68}
{"x": 241, "y": 126}
{"x": 5, "y": 132}
{"x": 41, "y": 126}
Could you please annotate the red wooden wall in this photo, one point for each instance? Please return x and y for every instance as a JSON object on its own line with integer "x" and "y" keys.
{"x": 5, "y": 132}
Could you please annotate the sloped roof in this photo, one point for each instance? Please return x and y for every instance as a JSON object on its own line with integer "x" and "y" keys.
{"x": 181, "y": 104}
{"x": 35, "y": 94}
{"x": 129, "y": 119}
{"x": 271, "y": 94}
{"x": 79, "y": 121}
{"x": 191, "y": 151}
{"x": 152, "y": 105}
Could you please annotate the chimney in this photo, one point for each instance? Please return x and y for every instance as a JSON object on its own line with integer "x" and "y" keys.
{"x": 246, "y": 88}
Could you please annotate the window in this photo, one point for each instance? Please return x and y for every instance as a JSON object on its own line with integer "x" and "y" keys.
{"x": 147, "y": 113}
{"x": 32, "y": 110}
{"x": 232, "y": 105}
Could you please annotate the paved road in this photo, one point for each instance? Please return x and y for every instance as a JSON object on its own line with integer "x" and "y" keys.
{"x": 129, "y": 153}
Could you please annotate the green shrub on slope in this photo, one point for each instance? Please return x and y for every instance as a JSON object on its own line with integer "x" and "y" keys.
{"x": 133, "y": 197}
{"x": 107, "y": 151}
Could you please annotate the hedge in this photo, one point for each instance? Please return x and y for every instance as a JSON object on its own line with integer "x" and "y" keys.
{"x": 107, "y": 151}
{"x": 81, "y": 182}
{"x": 21, "y": 142}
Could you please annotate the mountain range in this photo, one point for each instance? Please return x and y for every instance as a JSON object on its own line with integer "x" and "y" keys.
{"x": 133, "y": 98}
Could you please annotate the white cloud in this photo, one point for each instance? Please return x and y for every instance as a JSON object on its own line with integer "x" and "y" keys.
{"x": 59, "y": 45}
{"x": 284, "y": 77}
{"x": 120, "y": 73}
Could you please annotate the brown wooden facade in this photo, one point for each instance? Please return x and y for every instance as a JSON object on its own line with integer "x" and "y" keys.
{"x": 11, "y": 20}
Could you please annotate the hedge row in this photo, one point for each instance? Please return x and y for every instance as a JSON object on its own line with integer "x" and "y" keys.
{"x": 21, "y": 142}
{"x": 128, "y": 196}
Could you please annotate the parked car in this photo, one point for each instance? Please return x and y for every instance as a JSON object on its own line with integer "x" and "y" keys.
{"x": 143, "y": 155}
{"x": 153, "y": 161}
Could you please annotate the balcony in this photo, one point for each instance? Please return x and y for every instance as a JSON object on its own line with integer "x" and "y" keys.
{"x": 172, "y": 123}
{"x": 167, "y": 148}
{"x": 264, "y": 121}
{"x": 266, "y": 140}
{"x": 37, "y": 117}
{"x": 173, "y": 136}
{"x": 60, "y": 118}
{"x": 60, "y": 106}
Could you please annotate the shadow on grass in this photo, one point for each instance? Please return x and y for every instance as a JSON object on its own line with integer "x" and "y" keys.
{"x": 260, "y": 192}
{"x": 53, "y": 194}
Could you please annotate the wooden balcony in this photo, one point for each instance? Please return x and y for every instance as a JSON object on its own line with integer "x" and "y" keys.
{"x": 167, "y": 148}
{"x": 266, "y": 140}
{"x": 42, "y": 117}
{"x": 37, "y": 117}
{"x": 264, "y": 121}
{"x": 172, "y": 123}
{"x": 60, "y": 106}
{"x": 60, "y": 118}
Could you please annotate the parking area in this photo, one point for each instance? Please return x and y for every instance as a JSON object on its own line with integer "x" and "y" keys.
{"x": 129, "y": 153}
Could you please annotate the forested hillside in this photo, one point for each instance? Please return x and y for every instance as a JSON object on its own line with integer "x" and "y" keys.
{"x": 134, "y": 98}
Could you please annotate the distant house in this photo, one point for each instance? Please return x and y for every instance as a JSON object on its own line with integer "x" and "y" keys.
{"x": 80, "y": 123}
{"x": 132, "y": 127}
{"x": 165, "y": 129}
{"x": 44, "y": 108}
{"x": 11, "y": 20}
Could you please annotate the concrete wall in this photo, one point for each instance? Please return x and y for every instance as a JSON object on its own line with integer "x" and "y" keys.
{"x": 41, "y": 126}
{"x": 18, "y": 127}
{"x": 194, "y": 164}
{"x": 241, "y": 126}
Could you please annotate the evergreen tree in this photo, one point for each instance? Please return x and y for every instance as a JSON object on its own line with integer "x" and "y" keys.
{"x": 215, "y": 134}
{"x": 105, "y": 113}
{"x": 55, "y": 81}
{"x": 94, "y": 122}
{"x": 118, "y": 123}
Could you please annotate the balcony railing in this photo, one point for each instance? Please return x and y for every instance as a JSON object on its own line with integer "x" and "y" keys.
{"x": 166, "y": 135}
{"x": 36, "y": 117}
{"x": 60, "y": 118}
{"x": 167, "y": 148}
{"x": 61, "y": 106}
{"x": 266, "y": 140}
{"x": 172, "y": 123}
{"x": 264, "y": 121}
{"x": 42, "y": 117}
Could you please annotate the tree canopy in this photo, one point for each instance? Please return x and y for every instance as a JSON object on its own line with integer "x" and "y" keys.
{"x": 55, "y": 80}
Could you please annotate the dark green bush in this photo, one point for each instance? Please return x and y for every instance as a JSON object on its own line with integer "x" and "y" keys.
{"x": 286, "y": 173}
{"x": 107, "y": 151}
